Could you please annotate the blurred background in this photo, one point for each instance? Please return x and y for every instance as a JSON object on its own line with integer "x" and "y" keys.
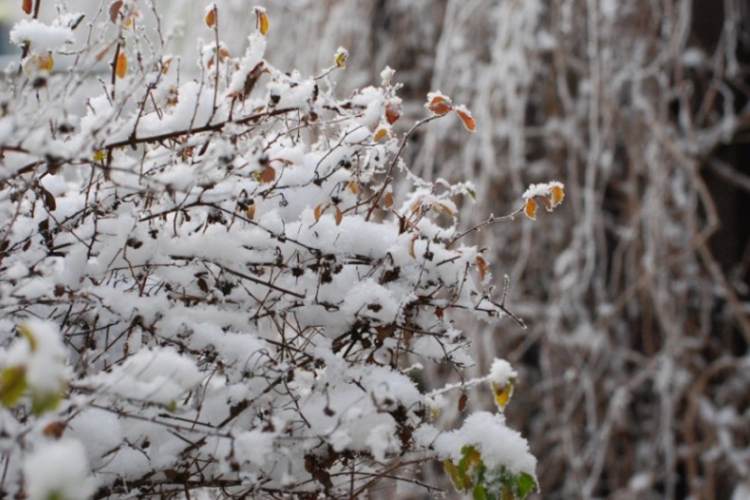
{"x": 634, "y": 368}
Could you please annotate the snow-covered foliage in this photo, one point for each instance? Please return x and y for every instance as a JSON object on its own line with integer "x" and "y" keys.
{"x": 633, "y": 369}
{"x": 208, "y": 283}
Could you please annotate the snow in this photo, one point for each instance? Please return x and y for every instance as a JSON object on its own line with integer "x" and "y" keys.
{"x": 58, "y": 470}
{"x": 502, "y": 373}
{"x": 498, "y": 444}
{"x": 159, "y": 375}
{"x": 42, "y": 37}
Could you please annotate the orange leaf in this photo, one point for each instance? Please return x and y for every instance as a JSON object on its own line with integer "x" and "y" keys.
{"x": 45, "y": 62}
{"x": 482, "y": 266}
{"x": 114, "y": 10}
{"x": 262, "y": 20}
{"x": 388, "y": 200}
{"x": 26, "y": 6}
{"x": 353, "y": 187}
{"x": 121, "y": 68}
{"x": 530, "y": 209}
{"x": 210, "y": 18}
{"x": 268, "y": 174}
{"x": 557, "y": 194}
{"x": 339, "y": 215}
{"x": 439, "y": 105}
{"x": 380, "y": 134}
{"x": 318, "y": 212}
{"x": 469, "y": 122}
{"x": 392, "y": 112}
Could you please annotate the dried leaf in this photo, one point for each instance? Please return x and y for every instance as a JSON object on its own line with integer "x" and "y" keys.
{"x": 101, "y": 55}
{"x": 388, "y": 199}
{"x": 262, "y": 20}
{"x": 319, "y": 211}
{"x": 462, "y": 402}
{"x": 392, "y": 112}
{"x": 210, "y": 18}
{"x": 557, "y": 194}
{"x": 250, "y": 212}
{"x": 45, "y": 62}
{"x": 268, "y": 174}
{"x": 114, "y": 10}
{"x": 339, "y": 215}
{"x": 483, "y": 267}
{"x": 411, "y": 246}
{"x": 546, "y": 202}
{"x": 530, "y": 209}
{"x": 469, "y": 122}
{"x": 26, "y": 6}
{"x": 439, "y": 105}
{"x": 55, "y": 429}
{"x": 353, "y": 187}
{"x": 29, "y": 336}
{"x": 443, "y": 208}
{"x": 121, "y": 68}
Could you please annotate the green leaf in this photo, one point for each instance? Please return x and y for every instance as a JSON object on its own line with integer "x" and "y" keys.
{"x": 479, "y": 493}
{"x": 12, "y": 385}
{"x": 42, "y": 402}
{"x": 525, "y": 484}
{"x": 456, "y": 477}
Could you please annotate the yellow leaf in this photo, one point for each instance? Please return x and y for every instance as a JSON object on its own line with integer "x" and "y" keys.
{"x": 340, "y": 57}
{"x": 530, "y": 209}
{"x": 557, "y": 194}
{"x": 503, "y": 394}
{"x": 353, "y": 187}
{"x": 121, "y": 67}
{"x": 12, "y": 385}
{"x": 100, "y": 155}
{"x": 210, "y": 18}
{"x": 469, "y": 122}
{"x": 262, "y": 20}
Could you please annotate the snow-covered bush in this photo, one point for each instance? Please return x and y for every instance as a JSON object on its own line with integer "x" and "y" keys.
{"x": 206, "y": 283}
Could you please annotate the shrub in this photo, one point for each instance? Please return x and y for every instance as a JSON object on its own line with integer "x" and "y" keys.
{"x": 213, "y": 287}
